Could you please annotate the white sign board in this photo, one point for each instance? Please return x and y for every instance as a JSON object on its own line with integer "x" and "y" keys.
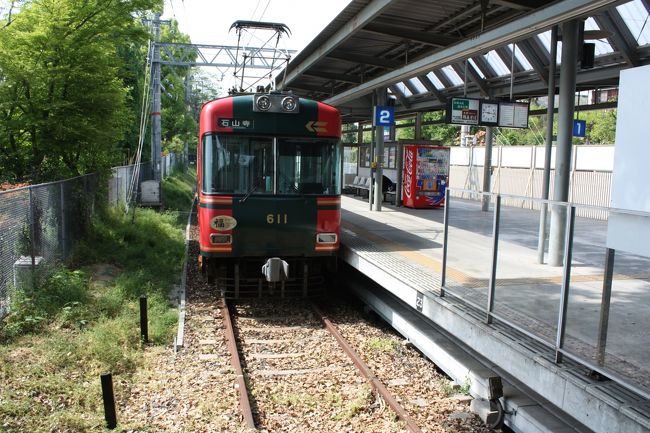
{"x": 513, "y": 115}
{"x": 631, "y": 165}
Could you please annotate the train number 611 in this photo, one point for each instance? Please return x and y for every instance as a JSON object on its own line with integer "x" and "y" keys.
{"x": 277, "y": 218}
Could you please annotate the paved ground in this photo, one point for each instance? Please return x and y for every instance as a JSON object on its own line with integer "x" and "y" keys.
{"x": 527, "y": 293}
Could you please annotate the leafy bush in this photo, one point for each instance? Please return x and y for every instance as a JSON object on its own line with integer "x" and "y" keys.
{"x": 63, "y": 293}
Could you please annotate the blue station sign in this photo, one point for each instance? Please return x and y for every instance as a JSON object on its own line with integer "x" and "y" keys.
{"x": 579, "y": 128}
{"x": 383, "y": 116}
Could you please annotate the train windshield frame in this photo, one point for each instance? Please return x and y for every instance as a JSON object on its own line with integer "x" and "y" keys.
{"x": 259, "y": 165}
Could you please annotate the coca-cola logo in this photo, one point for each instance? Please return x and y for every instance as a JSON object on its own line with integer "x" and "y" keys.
{"x": 408, "y": 179}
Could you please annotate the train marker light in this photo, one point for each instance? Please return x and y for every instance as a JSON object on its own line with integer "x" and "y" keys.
{"x": 217, "y": 238}
{"x": 263, "y": 103}
{"x": 326, "y": 238}
{"x": 289, "y": 103}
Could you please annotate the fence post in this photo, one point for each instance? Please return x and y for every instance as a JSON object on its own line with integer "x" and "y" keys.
{"x": 109, "y": 400}
{"x": 495, "y": 255}
{"x": 603, "y": 323}
{"x": 32, "y": 235}
{"x": 445, "y": 236}
{"x": 144, "y": 321}
{"x": 566, "y": 280}
{"x": 63, "y": 228}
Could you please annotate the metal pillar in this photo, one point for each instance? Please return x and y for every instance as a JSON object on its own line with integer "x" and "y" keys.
{"x": 399, "y": 165}
{"x": 359, "y": 135}
{"x": 418, "y": 126}
{"x": 379, "y": 154}
{"x": 487, "y": 168}
{"x": 548, "y": 147}
{"x": 371, "y": 151}
{"x": 564, "y": 138}
{"x": 464, "y": 135}
{"x": 155, "y": 101}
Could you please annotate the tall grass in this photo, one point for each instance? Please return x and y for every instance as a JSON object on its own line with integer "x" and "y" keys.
{"x": 67, "y": 330}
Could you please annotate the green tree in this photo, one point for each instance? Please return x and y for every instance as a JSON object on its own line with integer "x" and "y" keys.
{"x": 447, "y": 134}
{"x": 601, "y": 126}
{"x": 63, "y": 102}
{"x": 178, "y": 124}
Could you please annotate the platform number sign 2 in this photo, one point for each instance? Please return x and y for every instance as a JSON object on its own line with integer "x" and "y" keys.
{"x": 384, "y": 116}
{"x": 579, "y": 128}
{"x": 419, "y": 301}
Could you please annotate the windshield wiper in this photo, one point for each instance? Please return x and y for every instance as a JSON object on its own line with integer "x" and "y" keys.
{"x": 250, "y": 191}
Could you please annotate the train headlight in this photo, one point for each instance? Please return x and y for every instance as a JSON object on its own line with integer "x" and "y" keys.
{"x": 220, "y": 239}
{"x": 326, "y": 238}
{"x": 263, "y": 103}
{"x": 289, "y": 103}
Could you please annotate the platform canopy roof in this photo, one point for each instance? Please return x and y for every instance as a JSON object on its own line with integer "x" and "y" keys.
{"x": 425, "y": 51}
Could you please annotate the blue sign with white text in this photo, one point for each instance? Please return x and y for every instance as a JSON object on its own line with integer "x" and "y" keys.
{"x": 579, "y": 128}
{"x": 384, "y": 116}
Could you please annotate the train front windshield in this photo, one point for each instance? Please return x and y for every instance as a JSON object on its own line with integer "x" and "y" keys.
{"x": 236, "y": 164}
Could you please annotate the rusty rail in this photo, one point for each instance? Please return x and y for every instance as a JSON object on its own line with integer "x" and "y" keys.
{"x": 367, "y": 373}
{"x": 240, "y": 383}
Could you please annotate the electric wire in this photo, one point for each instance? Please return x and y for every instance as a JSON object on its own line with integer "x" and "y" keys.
{"x": 146, "y": 94}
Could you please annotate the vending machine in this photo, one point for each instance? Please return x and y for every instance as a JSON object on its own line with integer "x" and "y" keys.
{"x": 425, "y": 175}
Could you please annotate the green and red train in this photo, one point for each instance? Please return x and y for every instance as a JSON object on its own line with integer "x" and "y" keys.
{"x": 269, "y": 189}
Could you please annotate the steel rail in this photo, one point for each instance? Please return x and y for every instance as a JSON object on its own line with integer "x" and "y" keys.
{"x": 367, "y": 373}
{"x": 240, "y": 383}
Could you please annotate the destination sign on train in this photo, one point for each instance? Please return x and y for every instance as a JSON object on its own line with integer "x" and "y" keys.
{"x": 225, "y": 122}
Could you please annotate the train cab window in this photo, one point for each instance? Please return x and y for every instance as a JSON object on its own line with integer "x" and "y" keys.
{"x": 308, "y": 166}
{"x": 237, "y": 165}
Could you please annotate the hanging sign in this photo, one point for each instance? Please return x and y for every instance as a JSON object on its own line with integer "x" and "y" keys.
{"x": 513, "y": 114}
{"x": 579, "y": 128}
{"x": 483, "y": 112}
{"x": 463, "y": 111}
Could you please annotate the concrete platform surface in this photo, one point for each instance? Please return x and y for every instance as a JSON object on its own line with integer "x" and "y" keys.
{"x": 402, "y": 248}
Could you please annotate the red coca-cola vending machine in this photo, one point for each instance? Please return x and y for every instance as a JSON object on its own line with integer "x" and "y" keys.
{"x": 425, "y": 176}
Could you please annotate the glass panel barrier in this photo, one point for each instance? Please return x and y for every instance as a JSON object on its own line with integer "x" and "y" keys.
{"x": 469, "y": 246}
{"x": 527, "y": 292}
{"x": 608, "y": 304}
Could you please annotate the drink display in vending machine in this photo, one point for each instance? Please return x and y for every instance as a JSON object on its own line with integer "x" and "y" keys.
{"x": 426, "y": 175}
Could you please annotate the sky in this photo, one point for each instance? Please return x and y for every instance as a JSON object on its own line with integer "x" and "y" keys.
{"x": 208, "y": 21}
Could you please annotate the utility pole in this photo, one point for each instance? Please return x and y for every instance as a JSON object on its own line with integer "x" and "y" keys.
{"x": 156, "y": 130}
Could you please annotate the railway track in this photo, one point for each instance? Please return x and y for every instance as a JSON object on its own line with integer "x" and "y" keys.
{"x": 297, "y": 372}
{"x": 296, "y": 375}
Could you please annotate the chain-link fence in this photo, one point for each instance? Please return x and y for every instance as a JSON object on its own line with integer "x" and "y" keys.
{"x": 126, "y": 180}
{"x": 121, "y": 186}
{"x": 38, "y": 226}
{"x": 40, "y": 223}
{"x": 171, "y": 161}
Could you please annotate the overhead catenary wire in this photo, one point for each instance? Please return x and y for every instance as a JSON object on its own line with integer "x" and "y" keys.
{"x": 259, "y": 19}
{"x": 146, "y": 95}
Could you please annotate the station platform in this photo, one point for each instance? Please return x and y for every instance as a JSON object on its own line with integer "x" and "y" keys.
{"x": 401, "y": 250}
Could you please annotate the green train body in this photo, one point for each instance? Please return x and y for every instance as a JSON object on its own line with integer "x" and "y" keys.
{"x": 269, "y": 190}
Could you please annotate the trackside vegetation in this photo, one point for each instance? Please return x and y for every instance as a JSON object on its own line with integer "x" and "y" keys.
{"x": 83, "y": 320}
